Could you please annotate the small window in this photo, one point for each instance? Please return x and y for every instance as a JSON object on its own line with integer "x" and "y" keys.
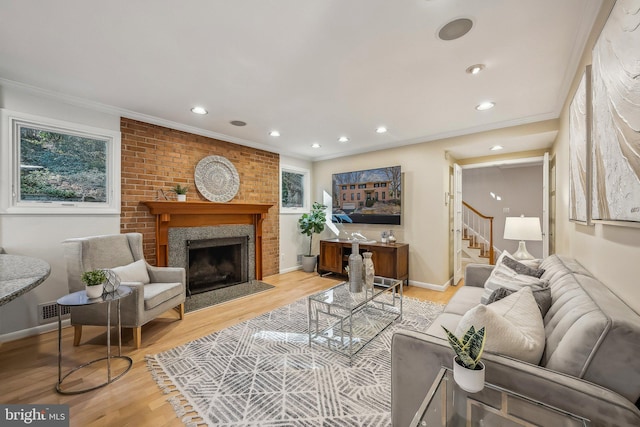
{"x": 352, "y": 187}
{"x": 352, "y": 196}
{"x": 60, "y": 167}
{"x": 358, "y": 196}
{"x": 344, "y": 187}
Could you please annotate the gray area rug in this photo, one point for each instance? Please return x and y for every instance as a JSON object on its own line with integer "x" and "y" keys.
{"x": 262, "y": 372}
{"x": 217, "y": 296}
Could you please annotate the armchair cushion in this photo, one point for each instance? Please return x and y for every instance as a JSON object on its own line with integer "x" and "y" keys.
{"x": 134, "y": 272}
{"x": 157, "y": 293}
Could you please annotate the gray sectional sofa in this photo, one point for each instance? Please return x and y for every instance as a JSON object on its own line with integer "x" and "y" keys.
{"x": 591, "y": 361}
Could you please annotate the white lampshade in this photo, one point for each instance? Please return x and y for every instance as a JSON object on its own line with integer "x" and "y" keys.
{"x": 522, "y": 228}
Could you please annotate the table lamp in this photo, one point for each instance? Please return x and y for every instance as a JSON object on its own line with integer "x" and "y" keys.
{"x": 522, "y": 228}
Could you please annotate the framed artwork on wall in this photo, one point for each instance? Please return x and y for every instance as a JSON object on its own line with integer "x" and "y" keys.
{"x": 294, "y": 190}
{"x": 580, "y": 152}
{"x": 616, "y": 118}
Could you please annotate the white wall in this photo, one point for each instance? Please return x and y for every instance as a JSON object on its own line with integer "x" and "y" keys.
{"x": 425, "y": 221}
{"x": 609, "y": 252}
{"x": 40, "y": 235}
{"x": 520, "y": 190}
{"x": 292, "y": 242}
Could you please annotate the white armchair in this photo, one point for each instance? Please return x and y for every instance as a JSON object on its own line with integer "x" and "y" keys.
{"x": 155, "y": 290}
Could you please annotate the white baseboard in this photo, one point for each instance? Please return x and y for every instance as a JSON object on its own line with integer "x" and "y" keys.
{"x": 36, "y": 330}
{"x": 290, "y": 269}
{"x": 431, "y": 286}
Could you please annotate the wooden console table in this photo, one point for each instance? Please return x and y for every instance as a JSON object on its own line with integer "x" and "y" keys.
{"x": 389, "y": 259}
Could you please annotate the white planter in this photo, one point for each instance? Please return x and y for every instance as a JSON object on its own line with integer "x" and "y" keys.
{"x": 182, "y": 197}
{"x": 470, "y": 380}
{"x": 94, "y": 291}
{"x": 308, "y": 263}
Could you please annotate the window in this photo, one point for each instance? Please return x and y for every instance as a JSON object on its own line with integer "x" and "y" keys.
{"x": 344, "y": 196}
{"x": 358, "y": 196}
{"x": 384, "y": 195}
{"x": 294, "y": 189}
{"x": 383, "y": 184}
{"x": 352, "y": 187}
{"x": 59, "y": 167}
{"x": 344, "y": 187}
{"x": 351, "y": 196}
{"x": 376, "y": 185}
{"x": 362, "y": 185}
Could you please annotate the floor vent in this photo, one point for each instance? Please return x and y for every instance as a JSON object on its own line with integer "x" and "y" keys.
{"x": 48, "y": 312}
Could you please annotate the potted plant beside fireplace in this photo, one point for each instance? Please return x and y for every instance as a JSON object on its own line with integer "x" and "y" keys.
{"x": 310, "y": 224}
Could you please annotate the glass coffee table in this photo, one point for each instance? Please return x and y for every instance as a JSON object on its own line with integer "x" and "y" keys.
{"x": 446, "y": 404}
{"x": 345, "y": 322}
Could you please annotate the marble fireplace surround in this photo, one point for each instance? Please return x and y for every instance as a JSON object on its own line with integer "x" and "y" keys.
{"x": 193, "y": 218}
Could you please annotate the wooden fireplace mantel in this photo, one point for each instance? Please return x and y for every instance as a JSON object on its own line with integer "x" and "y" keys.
{"x": 201, "y": 214}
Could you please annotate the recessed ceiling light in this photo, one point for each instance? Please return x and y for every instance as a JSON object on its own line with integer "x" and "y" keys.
{"x": 381, "y": 129}
{"x": 238, "y": 123}
{"x": 199, "y": 110}
{"x": 455, "y": 29}
{"x": 475, "y": 69}
{"x": 274, "y": 133}
{"x": 485, "y": 106}
{"x": 315, "y": 145}
{"x": 343, "y": 139}
{"x": 497, "y": 147}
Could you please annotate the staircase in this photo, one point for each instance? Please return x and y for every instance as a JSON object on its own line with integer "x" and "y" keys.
{"x": 477, "y": 237}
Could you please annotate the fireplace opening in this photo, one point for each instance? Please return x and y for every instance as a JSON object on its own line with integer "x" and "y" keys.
{"x": 216, "y": 263}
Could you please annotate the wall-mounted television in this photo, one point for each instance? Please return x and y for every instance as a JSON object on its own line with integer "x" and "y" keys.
{"x": 370, "y": 196}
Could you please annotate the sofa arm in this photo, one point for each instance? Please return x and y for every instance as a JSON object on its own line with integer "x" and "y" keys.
{"x": 166, "y": 274}
{"x": 477, "y": 274}
{"x": 416, "y": 359}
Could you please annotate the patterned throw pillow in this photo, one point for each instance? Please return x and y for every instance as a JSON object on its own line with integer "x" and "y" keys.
{"x": 541, "y": 295}
{"x": 520, "y": 268}
{"x": 504, "y": 277}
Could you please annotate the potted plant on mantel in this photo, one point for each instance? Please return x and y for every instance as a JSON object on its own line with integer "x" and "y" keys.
{"x": 468, "y": 370}
{"x": 94, "y": 282}
{"x": 309, "y": 224}
{"x": 181, "y": 192}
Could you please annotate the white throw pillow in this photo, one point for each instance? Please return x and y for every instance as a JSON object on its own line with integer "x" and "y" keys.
{"x": 134, "y": 272}
{"x": 504, "y": 277}
{"x": 514, "y": 326}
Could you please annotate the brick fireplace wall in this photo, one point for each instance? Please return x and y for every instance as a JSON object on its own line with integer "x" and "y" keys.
{"x": 156, "y": 158}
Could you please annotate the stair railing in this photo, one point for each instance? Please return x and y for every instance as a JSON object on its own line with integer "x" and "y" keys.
{"x": 478, "y": 228}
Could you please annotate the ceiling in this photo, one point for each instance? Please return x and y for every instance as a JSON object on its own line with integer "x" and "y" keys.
{"x": 313, "y": 70}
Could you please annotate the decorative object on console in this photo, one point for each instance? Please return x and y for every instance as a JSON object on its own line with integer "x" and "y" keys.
{"x": 309, "y": 224}
{"x": 522, "y": 228}
{"x": 217, "y": 179}
{"x": 468, "y": 370}
{"x": 94, "y": 282}
{"x": 384, "y": 237}
{"x": 391, "y": 239}
{"x": 368, "y": 270}
{"x": 113, "y": 281}
{"x": 181, "y": 192}
{"x": 355, "y": 269}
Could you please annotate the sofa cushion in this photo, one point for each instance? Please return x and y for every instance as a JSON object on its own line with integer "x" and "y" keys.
{"x": 464, "y": 300}
{"x": 504, "y": 277}
{"x": 134, "y": 272}
{"x": 513, "y": 326}
{"x": 157, "y": 293}
{"x": 541, "y": 295}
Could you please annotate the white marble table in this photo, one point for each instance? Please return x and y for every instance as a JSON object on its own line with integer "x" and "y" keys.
{"x": 19, "y": 274}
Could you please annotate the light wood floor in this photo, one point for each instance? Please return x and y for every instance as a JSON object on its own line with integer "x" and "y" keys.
{"x": 28, "y": 367}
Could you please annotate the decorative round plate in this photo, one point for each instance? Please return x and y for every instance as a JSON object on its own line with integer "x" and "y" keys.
{"x": 217, "y": 179}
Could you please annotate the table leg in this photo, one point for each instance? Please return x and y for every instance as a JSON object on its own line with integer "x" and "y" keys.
{"x": 59, "y": 344}
{"x": 108, "y": 341}
{"x": 119, "y": 332}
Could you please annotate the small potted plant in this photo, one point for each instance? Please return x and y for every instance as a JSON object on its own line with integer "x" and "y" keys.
{"x": 309, "y": 224}
{"x": 94, "y": 282}
{"x": 181, "y": 192}
{"x": 468, "y": 370}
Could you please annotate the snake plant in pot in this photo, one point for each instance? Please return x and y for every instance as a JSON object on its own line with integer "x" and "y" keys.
{"x": 310, "y": 224}
{"x": 468, "y": 370}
